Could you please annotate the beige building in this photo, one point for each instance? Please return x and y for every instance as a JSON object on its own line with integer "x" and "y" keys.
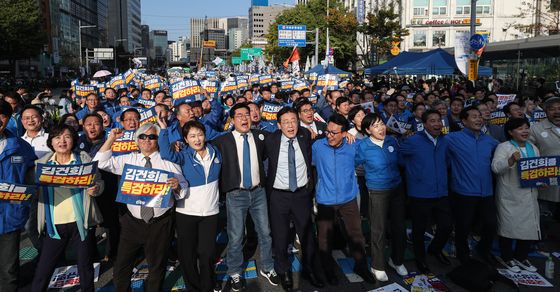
{"x": 260, "y": 20}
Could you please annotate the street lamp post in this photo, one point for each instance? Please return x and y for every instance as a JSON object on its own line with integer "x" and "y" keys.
{"x": 80, "y": 26}
{"x": 115, "y": 40}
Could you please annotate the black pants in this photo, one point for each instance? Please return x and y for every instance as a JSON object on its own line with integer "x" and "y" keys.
{"x": 387, "y": 205}
{"x": 286, "y": 206}
{"x": 424, "y": 212}
{"x": 109, "y": 211}
{"x": 53, "y": 249}
{"x": 465, "y": 210}
{"x": 326, "y": 216}
{"x": 9, "y": 261}
{"x": 196, "y": 242}
{"x": 154, "y": 239}
{"x": 521, "y": 249}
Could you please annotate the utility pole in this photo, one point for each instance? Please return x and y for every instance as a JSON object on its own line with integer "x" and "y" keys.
{"x": 473, "y": 17}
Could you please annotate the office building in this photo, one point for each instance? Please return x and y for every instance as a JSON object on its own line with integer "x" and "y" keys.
{"x": 198, "y": 25}
{"x": 145, "y": 37}
{"x": 158, "y": 45}
{"x": 260, "y": 19}
{"x": 236, "y": 38}
{"x": 125, "y": 24}
{"x": 179, "y": 50}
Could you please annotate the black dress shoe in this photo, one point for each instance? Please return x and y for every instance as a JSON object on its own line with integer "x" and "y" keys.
{"x": 331, "y": 278}
{"x": 286, "y": 281}
{"x": 313, "y": 280}
{"x": 423, "y": 267}
{"x": 365, "y": 274}
{"x": 441, "y": 258}
{"x": 489, "y": 259}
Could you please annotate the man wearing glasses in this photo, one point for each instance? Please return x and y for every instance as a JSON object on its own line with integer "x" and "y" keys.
{"x": 147, "y": 228}
{"x": 306, "y": 115}
{"x": 336, "y": 192}
{"x": 242, "y": 179}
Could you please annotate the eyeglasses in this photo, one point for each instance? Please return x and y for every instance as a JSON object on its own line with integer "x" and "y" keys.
{"x": 28, "y": 118}
{"x": 327, "y": 132}
{"x": 131, "y": 120}
{"x": 151, "y": 137}
{"x": 306, "y": 111}
{"x": 240, "y": 116}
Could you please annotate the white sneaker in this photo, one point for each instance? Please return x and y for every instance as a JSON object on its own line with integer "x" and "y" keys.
{"x": 512, "y": 266}
{"x": 380, "y": 275}
{"x": 526, "y": 265}
{"x": 401, "y": 269}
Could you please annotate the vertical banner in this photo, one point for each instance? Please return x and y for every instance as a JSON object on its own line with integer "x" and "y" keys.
{"x": 145, "y": 187}
{"x": 71, "y": 176}
{"x": 462, "y": 50}
{"x": 473, "y": 69}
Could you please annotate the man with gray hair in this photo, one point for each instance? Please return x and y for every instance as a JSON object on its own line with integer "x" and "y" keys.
{"x": 546, "y": 136}
{"x": 147, "y": 228}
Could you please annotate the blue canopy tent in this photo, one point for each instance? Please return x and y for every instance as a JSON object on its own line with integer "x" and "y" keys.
{"x": 402, "y": 58}
{"x": 319, "y": 69}
{"x": 435, "y": 62}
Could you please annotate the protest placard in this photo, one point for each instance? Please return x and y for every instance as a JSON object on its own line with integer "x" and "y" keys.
{"x": 242, "y": 83}
{"x": 211, "y": 87}
{"x": 66, "y": 277}
{"x": 504, "y": 99}
{"x": 254, "y": 79}
{"x": 144, "y": 187}
{"x": 526, "y": 278}
{"x": 327, "y": 82}
{"x": 300, "y": 84}
{"x": 148, "y": 116}
{"x": 538, "y": 116}
{"x": 390, "y": 288}
{"x": 118, "y": 82}
{"x": 265, "y": 80}
{"x": 539, "y": 171}
{"x": 125, "y": 144}
{"x": 129, "y": 76}
{"x": 498, "y": 117}
{"x": 72, "y": 175}
{"x": 270, "y": 110}
{"x": 185, "y": 91}
{"x": 16, "y": 193}
{"x": 228, "y": 87}
{"x": 147, "y": 102}
{"x": 82, "y": 91}
{"x": 153, "y": 84}
{"x": 286, "y": 85}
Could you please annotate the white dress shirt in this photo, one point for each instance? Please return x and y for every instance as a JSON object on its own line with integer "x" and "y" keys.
{"x": 115, "y": 164}
{"x": 282, "y": 180}
{"x": 239, "y": 140}
{"x": 39, "y": 143}
{"x": 311, "y": 126}
{"x": 434, "y": 140}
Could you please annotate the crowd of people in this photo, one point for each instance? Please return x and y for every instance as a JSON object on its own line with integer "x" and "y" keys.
{"x": 320, "y": 159}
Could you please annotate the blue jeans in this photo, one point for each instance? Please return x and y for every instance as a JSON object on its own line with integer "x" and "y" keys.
{"x": 238, "y": 203}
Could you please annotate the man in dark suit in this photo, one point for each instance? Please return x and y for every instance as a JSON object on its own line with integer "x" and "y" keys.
{"x": 306, "y": 115}
{"x": 242, "y": 178}
{"x": 290, "y": 187}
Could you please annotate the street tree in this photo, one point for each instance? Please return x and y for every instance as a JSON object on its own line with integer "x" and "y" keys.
{"x": 380, "y": 30}
{"x": 342, "y": 31}
{"x": 21, "y": 30}
{"x": 546, "y": 15}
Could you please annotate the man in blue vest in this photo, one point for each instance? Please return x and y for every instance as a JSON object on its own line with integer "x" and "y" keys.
{"x": 16, "y": 160}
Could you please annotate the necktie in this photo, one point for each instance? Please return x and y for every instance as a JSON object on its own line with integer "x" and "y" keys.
{"x": 247, "y": 180}
{"x": 147, "y": 213}
{"x": 292, "y": 166}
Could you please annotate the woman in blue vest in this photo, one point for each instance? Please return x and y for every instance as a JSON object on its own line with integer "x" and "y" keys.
{"x": 68, "y": 216}
{"x": 379, "y": 155}
{"x": 197, "y": 212}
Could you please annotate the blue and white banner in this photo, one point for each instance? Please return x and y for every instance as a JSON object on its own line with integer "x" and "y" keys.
{"x": 185, "y": 91}
{"x": 16, "y": 193}
{"x": 539, "y": 171}
{"x": 72, "y": 176}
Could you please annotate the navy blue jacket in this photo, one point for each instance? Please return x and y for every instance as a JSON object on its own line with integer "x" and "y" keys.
{"x": 380, "y": 164}
{"x": 16, "y": 159}
{"x": 425, "y": 165}
{"x": 470, "y": 158}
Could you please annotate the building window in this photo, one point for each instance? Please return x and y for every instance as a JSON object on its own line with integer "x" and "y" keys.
{"x": 439, "y": 7}
{"x": 482, "y": 7}
{"x": 420, "y": 7}
{"x": 438, "y": 38}
{"x": 419, "y": 38}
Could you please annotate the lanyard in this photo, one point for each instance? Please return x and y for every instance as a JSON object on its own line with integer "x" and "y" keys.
{"x": 530, "y": 152}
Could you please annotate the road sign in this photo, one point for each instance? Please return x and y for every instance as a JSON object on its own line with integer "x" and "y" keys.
{"x": 291, "y": 35}
{"x": 209, "y": 44}
{"x": 103, "y": 53}
{"x": 248, "y": 53}
{"x": 235, "y": 60}
{"x": 477, "y": 42}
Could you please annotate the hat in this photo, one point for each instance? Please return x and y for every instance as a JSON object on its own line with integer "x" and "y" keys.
{"x": 551, "y": 100}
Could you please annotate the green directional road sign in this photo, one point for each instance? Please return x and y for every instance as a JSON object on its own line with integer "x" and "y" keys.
{"x": 247, "y": 53}
{"x": 235, "y": 60}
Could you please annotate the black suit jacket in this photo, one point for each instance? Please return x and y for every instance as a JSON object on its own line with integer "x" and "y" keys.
{"x": 272, "y": 150}
{"x": 230, "y": 175}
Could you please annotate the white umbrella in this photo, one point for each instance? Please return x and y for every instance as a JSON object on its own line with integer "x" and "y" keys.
{"x": 101, "y": 73}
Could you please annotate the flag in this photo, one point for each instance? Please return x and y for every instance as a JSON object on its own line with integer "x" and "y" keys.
{"x": 307, "y": 64}
{"x": 294, "y": 56}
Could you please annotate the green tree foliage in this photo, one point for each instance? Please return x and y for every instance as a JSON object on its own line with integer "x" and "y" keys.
{"x": 22, "y": 34}
{"x": 380, "y": 30}
{"x": 342, "y": 32}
